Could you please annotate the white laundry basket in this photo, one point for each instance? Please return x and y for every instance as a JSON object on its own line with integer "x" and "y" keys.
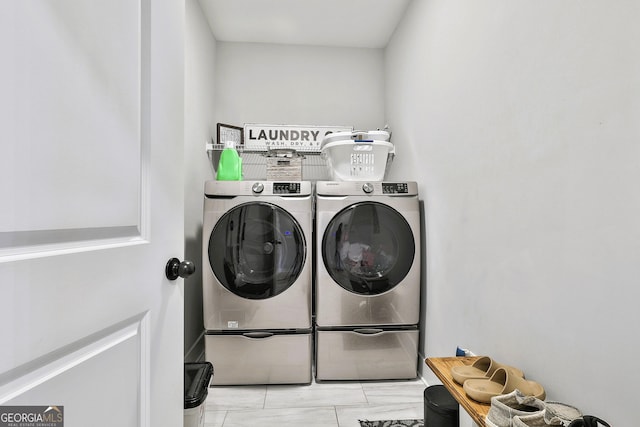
{"x": 358, "y": 156}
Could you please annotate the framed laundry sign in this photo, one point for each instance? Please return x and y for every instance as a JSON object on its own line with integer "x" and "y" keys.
{"x": 300, "y": 138}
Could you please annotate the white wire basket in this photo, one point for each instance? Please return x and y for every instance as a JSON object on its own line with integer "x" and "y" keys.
{"x": 343, "y": 156}
{"x": 254, "y": 164}
{"x": 354, "y": 160}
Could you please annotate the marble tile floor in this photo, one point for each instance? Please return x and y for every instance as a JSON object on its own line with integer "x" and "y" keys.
{"x": 326, "y": 404}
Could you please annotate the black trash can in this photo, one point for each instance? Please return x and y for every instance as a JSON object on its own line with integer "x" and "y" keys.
{"x": 440, "y": 408}
{"x": 197, "y": 377}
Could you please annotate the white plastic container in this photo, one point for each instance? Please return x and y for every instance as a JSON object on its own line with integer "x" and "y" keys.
{"x": 356, "y": 156}
{"x": 374, "y": 135}
{"x": 194, "y": 417}
{"x": 197, "y": 377}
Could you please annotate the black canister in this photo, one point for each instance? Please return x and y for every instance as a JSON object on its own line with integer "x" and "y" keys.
{"x": 440, "y": 408}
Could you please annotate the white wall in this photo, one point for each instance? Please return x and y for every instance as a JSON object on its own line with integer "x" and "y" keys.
{"x": 199, "y": 120}
{"x": 306, "y": 85}
{"x": 521, "y": 122}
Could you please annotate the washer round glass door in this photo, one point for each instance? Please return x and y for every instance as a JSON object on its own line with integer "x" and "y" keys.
{"x": 368, "y": 248}
{"x": 257, "y": 250}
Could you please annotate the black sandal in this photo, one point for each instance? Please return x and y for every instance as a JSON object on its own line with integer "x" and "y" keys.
{"x": 588, "y": 421}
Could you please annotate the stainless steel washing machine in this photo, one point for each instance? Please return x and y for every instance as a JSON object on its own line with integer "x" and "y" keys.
{"x": 257, "y": 278}
{"x": 367, "y": 280}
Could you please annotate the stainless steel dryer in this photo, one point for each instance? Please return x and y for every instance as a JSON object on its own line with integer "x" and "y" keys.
{"x": 367, "y": 280}
{"x": 257, "y": 281}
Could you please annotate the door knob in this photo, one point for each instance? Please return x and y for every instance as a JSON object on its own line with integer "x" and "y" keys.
{"x": 175, "y": 269}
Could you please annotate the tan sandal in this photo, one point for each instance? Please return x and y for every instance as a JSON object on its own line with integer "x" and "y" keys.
{"x": 501, "y": 382}
{"x": 482, "y": 368}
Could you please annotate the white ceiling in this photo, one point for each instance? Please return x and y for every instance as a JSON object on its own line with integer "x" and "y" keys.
{"x": 344, "y": 23}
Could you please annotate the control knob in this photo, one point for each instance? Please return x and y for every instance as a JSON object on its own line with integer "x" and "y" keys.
{"x": 258, "y": 187}
{"x": 367, "y": 187}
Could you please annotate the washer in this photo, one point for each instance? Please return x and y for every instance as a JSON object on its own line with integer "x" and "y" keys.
{"x": 257, "y": 278}
{"x": 367, "y": 280}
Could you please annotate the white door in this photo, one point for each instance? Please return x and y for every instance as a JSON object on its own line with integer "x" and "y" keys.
{"x": 91, "y": 196}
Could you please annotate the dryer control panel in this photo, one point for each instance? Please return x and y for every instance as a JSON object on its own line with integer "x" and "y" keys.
{"x": 373, "y": 188}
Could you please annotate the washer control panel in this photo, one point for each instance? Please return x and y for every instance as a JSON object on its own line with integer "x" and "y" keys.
{"x": 286, "y": 188}
{"x": 215, "y": 188}
{"x": 395, "y": 188}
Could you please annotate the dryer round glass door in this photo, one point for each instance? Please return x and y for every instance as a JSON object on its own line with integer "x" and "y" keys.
{"x": 368, "y": 248}
{"x": 257, "y": 250}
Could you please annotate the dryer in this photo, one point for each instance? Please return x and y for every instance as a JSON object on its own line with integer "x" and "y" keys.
{"x": 257, "y": 278}
{"x": 367, "y": 280}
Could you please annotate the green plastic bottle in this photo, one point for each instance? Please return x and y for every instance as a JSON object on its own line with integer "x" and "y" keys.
{"x": 230, "y": 164}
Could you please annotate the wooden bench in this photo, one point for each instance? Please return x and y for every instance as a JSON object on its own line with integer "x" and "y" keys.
{"x": 441, "y": 366}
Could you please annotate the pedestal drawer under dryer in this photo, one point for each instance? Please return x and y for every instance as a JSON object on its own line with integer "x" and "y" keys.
{"x": 367, "y": 354}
